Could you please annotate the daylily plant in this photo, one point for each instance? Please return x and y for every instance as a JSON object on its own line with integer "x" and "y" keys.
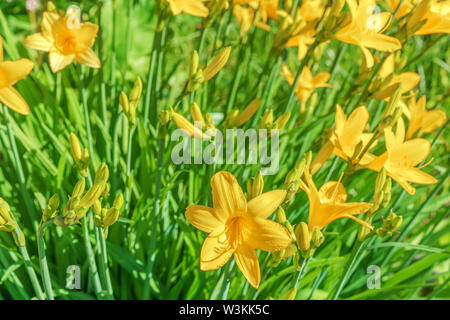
{"x": 192, "y": 7}
{"x": 237, "y": 227}
{"x": 421, "y": 118}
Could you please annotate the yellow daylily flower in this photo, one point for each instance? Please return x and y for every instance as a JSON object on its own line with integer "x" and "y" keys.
{"x": 307, "y": 83}
{"x": 365, "y": 30}
{"x": 10, "y": 73}
{"x": 348, "y": 133}
{"x": 302, "y": 41}
{"x": 237, "y": 227}
{"x": 402, "y": 157}
{"x": 421, "y": 118}
{"x": 329, "y": 203}
{"x": 437, "y": 16}
{"x": 258, "y": 12}
{"x": 66, "y": 39}
{"x": 192, "y": 7}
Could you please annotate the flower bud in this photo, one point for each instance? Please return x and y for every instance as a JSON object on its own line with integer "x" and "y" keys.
{"x": 124, "y": 103}
{"x": 281, "y": 216}
{"x": 75, "y": 147}
{"x": 317, "y": 237}
{"x": 303, "y": 237}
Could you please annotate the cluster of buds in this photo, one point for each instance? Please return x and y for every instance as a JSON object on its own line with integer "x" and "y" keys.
{"x": 236, "y": 118}
{"x": 80, "y": 156}
{"x": 292, "y": 181}
{"x": 105, "y": 217}
{"x": 307, "y": 241}
{"x": 79, "y": 204}
{"x": 51, "y": 210}
{"x": 267, "y": 120}
{"x": 195, "y": 129}
{"x": 130, "y": 104}
{"x": 277, "y": 256}
{"x": 7, "y": 223}
{"x": 198, "y": 75}
{"x": 390, "y": 224}
{"x": 255, "y": 186}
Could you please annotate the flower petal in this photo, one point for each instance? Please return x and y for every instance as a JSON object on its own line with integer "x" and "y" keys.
{"x": 266, "y": 235}
{"x": 203, "y": 218}
{"x": 38, "y": 42}
{"x": 228, "y": 198}
{"x": 247, "y": 261}
{"x": 59, "y": 61}
{"x": 264, "y": 205}
{"x": 14, "y": 100}
{"x": 216, "y": 251}
{"x": 13, "y": 71}
{"x": 88, "y": 58}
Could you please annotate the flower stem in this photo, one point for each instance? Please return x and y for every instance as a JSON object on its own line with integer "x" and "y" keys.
{"x": 150, "y": 258}
{"x": 104, "y": 265}
{"x": 31, "y": 274}
{"x": 43, "y": 262}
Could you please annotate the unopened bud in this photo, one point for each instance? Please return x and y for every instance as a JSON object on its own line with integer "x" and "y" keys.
{"x": 303, "y": 237}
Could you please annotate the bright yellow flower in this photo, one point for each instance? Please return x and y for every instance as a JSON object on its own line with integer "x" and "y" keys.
{"x": 307, "y": 83}
{"x": 421, "y": 118}
{"x": 402, "y": 157}
{"x": 66, "y": 40}
{"x": 365, "y": 30}
{"x": 437, "y": 16}
{"x": 408, "y": 81}
{"x": 347, "y": 134}
{"x": 10, "y": 73}
{"x": 192, "y": 7}
{"x": 329, "y": 203}
{"x": 258, "y": 12}
{"x": 238, "y": 227}
{"x": 302, "y": 41}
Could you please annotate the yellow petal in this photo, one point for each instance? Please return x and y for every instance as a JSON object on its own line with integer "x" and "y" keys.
{"x": 12, "y": 99}
{"x": 381, "y": 42}
{"x": 59, "y": 61}
{"x": 13, "y": 71}
{"x": 88, "y": 58}
{"x": 433, "y": 119}
{"x": 266, "y": 235}
{"x": 247, "y": 261}
{"x": 1, "y": 49}
{"x": 38, "y": 42}
{"x": 217, "y": 63}
{"x": 410, "y": 153}
{"x": 354, "y": 127}
{"x": 415, "y": 175}
{"x": 48, "y": 20}
{"x": 203, "y": 218}
{"x": 228, "y": 198}
{"x": 215, "y": 252}
{"x": 248, "y": 112}
{"x": 320, "y": 80}
{"x": 265, "y": 204}
{"x": 85, "y": 35}
{"x": 367, "y": 56}
{"x": 332, "y": 212}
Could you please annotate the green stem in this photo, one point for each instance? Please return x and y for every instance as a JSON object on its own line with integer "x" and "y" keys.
{"x": 31, "y": 274}
{"x": 150, "y": 258}
{"x": 91, "y": 259}
{"x": 127, "y": 187}
{"x": 104, "y": 265}
{"x": 43, "y": 262}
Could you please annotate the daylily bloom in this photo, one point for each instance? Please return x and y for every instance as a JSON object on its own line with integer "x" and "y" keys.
{"x": 421, "y": 118}
{"x": 192, "y": 7}
{"x": 237, "y": 227}
{"x": 329, "y": 203}
{"x": 302, "y": 41}
{"x": 10, "y": 73}
{"x": 408, "y": 81}
{"x": 437, "y": 16}
{"x": 365, "y": 30}
{"x": 307, "y": 83}
{"x": 66, "y": 39}
{"x": 402, "y": 157}
{"x": 347, "y": 134}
